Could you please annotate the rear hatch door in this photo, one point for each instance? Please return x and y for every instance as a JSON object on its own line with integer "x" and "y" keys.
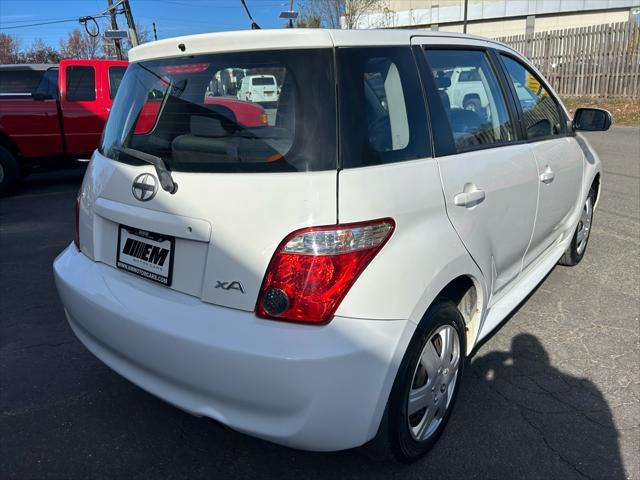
{"x": 240, "y": 189}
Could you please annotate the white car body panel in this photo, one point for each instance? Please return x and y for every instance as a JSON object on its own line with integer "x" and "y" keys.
{"x": 247, "y": 216}
{"x": 497, "y": 231}
{"x": 557, "y": 200}
{"x": 298, "y": 385}
{"x": 317, "y": 387}
{"x": 410, "y": 192}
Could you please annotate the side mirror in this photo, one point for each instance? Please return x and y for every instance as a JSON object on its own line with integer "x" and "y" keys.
{"x": 592, "y": 119}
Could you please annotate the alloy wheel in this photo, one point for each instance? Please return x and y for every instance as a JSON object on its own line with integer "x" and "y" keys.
{"x": 434, "y": 382}
{"x": 584, "y": 226}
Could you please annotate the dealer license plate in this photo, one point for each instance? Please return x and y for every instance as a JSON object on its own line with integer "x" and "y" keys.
{"x": 147, "y": 254}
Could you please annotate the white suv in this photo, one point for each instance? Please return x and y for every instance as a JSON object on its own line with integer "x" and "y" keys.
{"x": 259, "y": 89}
{"x": 318, "y": 281}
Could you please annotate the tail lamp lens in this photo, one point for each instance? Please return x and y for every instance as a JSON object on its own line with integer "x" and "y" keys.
{"x": 76, "y": 224}
{"x": 314, "y": 268}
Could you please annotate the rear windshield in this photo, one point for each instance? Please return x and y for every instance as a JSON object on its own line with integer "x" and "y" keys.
{"x": 192, "y": 112}
{"x": 262, "y": 81}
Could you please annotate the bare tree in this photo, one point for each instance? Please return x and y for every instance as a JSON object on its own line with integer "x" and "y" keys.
{"x": 40, "y": 52}
{"x": 306, "y": 21}
{"x": 9, "y": 49}
{"x": 80, "y": 44}
{"x": 339, "y": 13}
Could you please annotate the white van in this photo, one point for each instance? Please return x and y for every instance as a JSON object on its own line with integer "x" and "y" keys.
{"x": 259, "y": 89}
{"x": 319, "y": 280}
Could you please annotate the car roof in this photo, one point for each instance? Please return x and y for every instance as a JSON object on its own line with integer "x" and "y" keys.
{"x": 29, "y": 66}
{"x": 247, "y": 40}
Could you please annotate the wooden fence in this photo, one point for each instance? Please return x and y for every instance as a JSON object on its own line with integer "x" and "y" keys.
{"x": 597, "y": 61}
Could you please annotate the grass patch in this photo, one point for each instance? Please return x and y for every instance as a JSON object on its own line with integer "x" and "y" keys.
{"x": 625, "y": 111}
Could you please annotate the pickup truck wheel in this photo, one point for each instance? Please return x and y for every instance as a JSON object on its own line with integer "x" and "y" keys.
{"x": 9, "y": 172}
{"x": 472, "y": 104}
{"x": 578, "y": 246}
{"x": 426, "y": 384}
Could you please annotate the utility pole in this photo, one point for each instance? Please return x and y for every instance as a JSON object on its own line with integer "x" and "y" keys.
{"x": 464, "y": 24}
{"x": 114, "y": 26}
{"x": 133, "y": 33}
{"x": 290, "y": 11}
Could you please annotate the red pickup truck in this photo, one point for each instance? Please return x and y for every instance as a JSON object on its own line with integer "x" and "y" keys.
{"x": 52, "y": 113}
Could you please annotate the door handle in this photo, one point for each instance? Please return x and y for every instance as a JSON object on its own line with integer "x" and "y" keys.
{"x": 547, "y": 176}
{"x": 469, "y": 197}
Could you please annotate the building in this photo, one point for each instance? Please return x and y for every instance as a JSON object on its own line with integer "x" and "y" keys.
{"x": 499, "y": 18}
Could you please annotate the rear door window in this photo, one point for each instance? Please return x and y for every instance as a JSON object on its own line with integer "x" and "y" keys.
{"x": 382, "y": 110}
{"x": 81, "y": 84}
{"x": 473, "y": 101}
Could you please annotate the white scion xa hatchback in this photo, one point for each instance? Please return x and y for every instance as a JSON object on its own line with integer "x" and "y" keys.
{"x": 317, "y": 278}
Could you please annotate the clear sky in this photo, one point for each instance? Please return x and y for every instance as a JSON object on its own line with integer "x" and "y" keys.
{"x": 172, "y": 17}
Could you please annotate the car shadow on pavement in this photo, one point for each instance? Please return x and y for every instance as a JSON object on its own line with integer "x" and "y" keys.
{"x": 569, "y": 414}
{"x": 517, "y": 416}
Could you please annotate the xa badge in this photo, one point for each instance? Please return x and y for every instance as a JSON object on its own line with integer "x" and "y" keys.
{"x": 144, "y": 187}
{"x": 229, "y": 286}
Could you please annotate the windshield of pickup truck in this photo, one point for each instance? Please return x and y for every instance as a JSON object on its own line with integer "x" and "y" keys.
{"x": 187, "y": 111}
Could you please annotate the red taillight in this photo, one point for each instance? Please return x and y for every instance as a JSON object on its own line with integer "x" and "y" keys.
{"x": 314, "y": 268}
{"x": 76, "y": 224}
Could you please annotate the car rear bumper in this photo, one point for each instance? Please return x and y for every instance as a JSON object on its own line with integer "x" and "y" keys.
{"x": 311, "y": 387}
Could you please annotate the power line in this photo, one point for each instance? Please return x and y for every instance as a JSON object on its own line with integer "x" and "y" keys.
{"x": 48, "y": 23}
{"x": 38, "y": 24}
{"x": 32, "y": 20}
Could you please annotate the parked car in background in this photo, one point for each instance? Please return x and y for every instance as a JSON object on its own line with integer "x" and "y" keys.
{"x": 318, "y": 281}
{"x": 259, "y": 89}
{"x": 50, "y": 114}
{"x": 466, "y": 89}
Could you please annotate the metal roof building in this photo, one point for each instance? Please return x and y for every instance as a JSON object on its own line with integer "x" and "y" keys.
{"x": 494, "y": 18}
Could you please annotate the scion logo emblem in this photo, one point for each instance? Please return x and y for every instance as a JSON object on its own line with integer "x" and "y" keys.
{"x": 144, "y": 187}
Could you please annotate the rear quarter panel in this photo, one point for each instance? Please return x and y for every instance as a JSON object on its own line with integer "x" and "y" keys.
{"x": 423, "y": 255}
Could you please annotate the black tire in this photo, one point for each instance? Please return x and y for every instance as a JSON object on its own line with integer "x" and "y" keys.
{"x": 10, "y": 173}
{"x": 575, "y": 251}
{"x": 400, "y": 442}
{"x": 472, "y": 104}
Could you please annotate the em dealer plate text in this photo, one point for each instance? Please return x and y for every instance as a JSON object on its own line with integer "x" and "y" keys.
{"x": 147, "y": 254}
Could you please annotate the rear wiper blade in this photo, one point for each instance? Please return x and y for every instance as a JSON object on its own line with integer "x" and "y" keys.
{"x": 166, "y": 181}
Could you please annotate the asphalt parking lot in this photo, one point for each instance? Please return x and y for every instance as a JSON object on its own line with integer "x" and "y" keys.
{"x": 553, "y": 394}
